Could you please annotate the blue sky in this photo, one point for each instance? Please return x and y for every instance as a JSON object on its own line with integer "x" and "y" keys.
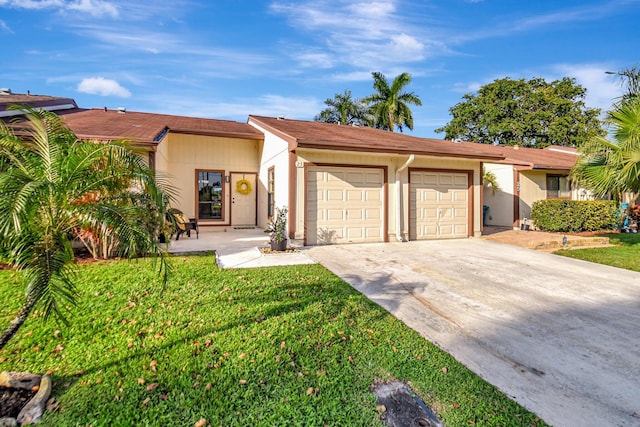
{"x": 227, "y": 59}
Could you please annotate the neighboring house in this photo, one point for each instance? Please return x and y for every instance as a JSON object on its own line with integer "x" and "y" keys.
{"x": 357, "y": 184}
{"x": 38, "y": 102}
{"x": 525, "y": 176}
{"x": 202, "y": 159}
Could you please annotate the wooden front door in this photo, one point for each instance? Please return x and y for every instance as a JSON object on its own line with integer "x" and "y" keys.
{"x": 243, "y": 199}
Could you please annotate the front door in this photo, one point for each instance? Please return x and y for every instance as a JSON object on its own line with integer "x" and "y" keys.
{"x": 243, "y": 199}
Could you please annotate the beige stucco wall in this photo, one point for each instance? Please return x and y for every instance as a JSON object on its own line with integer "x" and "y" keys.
{"x": 500, "y": 202}
{"x": 180, "y": 155}
{"x": 273, "y": 152}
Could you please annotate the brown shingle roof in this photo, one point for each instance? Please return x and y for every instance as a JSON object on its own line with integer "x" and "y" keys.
{"x": 307, "y": 134}
{"x": 50, "y": 103}
{"x": 103, "y": 124}
{"x": 535, "y": 158}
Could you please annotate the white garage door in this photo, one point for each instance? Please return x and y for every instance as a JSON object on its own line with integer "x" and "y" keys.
{"x": 344, "y": 205}
{"x": 439, "y": 206}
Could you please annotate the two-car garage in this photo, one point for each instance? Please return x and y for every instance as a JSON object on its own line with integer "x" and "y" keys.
{"x": 347, "y": 204}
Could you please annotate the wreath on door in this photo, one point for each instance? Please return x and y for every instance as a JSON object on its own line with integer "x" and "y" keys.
{"x": 243, "y": 186}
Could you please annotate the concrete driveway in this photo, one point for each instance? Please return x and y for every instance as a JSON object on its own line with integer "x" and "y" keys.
{"x": 560, "y": 336}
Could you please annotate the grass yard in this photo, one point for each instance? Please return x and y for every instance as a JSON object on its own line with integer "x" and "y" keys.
{"x": 626, "y": 253}
{"x": 262, "y": 347}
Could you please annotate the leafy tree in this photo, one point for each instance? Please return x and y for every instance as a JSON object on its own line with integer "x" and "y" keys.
{"x": 613, "y": 167}
{"x": 344, "y": 110}
{"x": 51, "y": 185}
{"x": 528, "y": 113}
{"x": 389, "y": 106}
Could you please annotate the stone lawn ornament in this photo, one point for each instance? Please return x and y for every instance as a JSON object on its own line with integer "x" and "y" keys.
{"x": 34, "y": 408}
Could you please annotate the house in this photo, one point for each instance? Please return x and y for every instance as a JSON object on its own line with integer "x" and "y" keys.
{"x": 202, "y": 159}
{"x": 341, "y": 184}
{"x": 37, "y": 102}
{"x": 525, "y": 176}
{"x": 346, "y": 184}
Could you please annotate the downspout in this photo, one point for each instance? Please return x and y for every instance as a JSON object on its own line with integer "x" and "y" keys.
{"x": 410, "y": 160}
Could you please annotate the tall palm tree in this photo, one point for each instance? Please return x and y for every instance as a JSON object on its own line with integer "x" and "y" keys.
{"x": 390, "y": 105}
{"x": 344, "y": 110}
{"x": 51, "y": 185}
{"x": 613, "y": 167}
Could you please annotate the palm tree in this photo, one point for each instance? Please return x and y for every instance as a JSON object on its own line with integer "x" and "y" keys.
{"x": 344, "y": 110}
{"x": 390, "y": 105}
{"x": 629, "y": 79}
{"x": 51, "y": 185}
{"x": 613, "y": 167}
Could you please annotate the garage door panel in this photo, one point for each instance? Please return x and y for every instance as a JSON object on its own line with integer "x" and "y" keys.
{"x": 460, "y": 180}
{"x": 356, "y": 195}
{"x": 439, "y": 205}
{"x": 354, "y": 214}
{"x": 374, "y": 196}
{"x": 373, "y": 215}
{"x": 334, "y": 215}
{"x": 348, "y": 206}
{"x": 374, "y": 179}
{"x": 334, "y": 177}
{"x": 335, "y": 195}
{"x": 445, "y": 180}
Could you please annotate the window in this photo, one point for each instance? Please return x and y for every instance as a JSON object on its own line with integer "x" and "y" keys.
{"x": 271, "y": 190}
{"x": 558, "y": 187}
{"x": 210, "y": 194}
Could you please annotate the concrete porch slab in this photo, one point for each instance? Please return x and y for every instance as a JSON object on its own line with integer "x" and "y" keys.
{"x": 236, "y": 248}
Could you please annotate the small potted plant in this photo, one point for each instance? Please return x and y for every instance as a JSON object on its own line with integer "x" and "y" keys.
{"x": 277, "y": 230}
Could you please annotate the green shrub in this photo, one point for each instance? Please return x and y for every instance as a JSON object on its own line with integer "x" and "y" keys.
{"x": 575, "y": 215}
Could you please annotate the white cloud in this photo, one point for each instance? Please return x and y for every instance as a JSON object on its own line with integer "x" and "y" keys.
{"x": 315, "y": 60}
{"x": 602, "y": 88}
{"x": 303, "y": 108}
{"x": 4, "y": 27}
{"x": 466, "y": 87}
{"x": 103, "y": 87}
{"x": 367, "y": 35}
{"x": 32, "y": 4}
{"x": 506, "y": 25}
{"x": 95, "y": 8}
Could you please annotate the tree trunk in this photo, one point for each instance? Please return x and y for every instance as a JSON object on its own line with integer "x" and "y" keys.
{"x": 17, "y": 322}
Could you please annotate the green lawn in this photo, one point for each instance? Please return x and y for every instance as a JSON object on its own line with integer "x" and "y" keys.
{"x": 625, "y": 253}
{"x": 261, "y": 347}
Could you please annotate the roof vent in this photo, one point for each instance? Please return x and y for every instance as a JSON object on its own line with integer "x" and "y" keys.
{"x": 5, "y": 91}
{"x": 280, "y": 118}
{"x": 122, "y": 110}
{"x": 457, "y": 141}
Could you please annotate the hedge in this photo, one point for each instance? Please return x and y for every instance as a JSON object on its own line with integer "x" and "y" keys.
{"x": 575, "y": 215}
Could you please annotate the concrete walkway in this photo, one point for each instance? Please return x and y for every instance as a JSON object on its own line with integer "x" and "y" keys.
{"x": 236, "y": 248}
{"x": 560, "y": 336}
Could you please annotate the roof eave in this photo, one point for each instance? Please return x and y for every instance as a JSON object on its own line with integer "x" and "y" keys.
{"x": 219, "y": 133}
{"x": 396, "y": 150}
{"x": 292, "y": 141}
